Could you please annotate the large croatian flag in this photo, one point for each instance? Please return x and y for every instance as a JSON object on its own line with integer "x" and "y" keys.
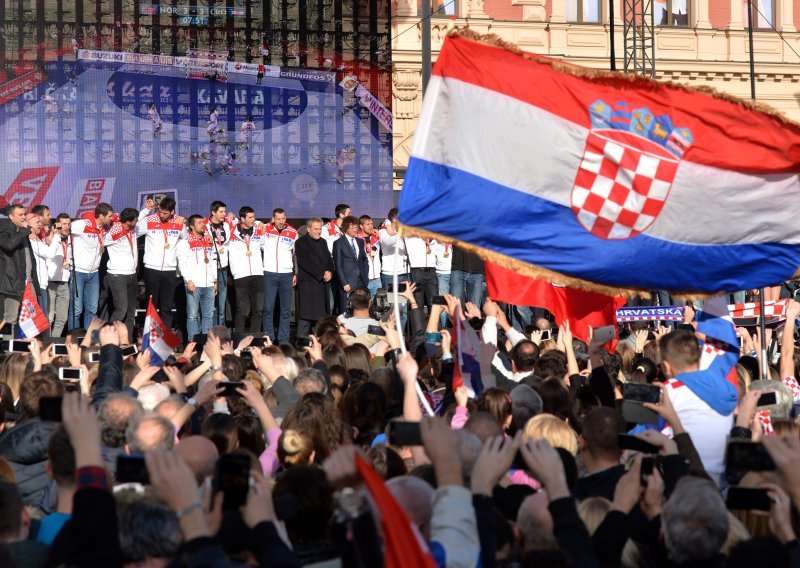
{"x": 157, "y": 337}
{"x": 600, "y": 179}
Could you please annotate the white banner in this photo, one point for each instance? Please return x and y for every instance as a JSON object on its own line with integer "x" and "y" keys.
{"x": 252, "y": 69}
{"x": 377, "y": 109}
{"x": 88, "y": 193}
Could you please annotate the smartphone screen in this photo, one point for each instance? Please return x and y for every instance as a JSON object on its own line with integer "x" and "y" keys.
{"x": 230, "y": 388}
{"x": 641, "y": 392}
{"x": 94, "y": 357}
{"x": 375, "y": 330}
{"x": 258, "y": 342}
{"x": 69, "y": 373}
{"x": 129, "y": 350}
{"x": 403, "y": 434}
{"x": 132, "y": 469}
{"x": 744, "y": 456}
{"x": 748, "y": 498}
{"x": 628, "y": 442}
{"x": 17, "y": 346}
{"x": 50, "y": 408}
{"x": 303, "y": 342}
{"x": 545, "y": 335}
{"x": 768, "y": 399}
{"x": 438, "y": 301}
{"x": 60, "y": 349}
{"x": 401, "y": 286}
{"x": 233, "y": 479}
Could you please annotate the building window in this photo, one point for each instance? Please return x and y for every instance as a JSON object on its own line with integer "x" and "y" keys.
{"x": 763, "y": 14}
{"x": 672, "y": 13}
{"x": 582, "y": 11}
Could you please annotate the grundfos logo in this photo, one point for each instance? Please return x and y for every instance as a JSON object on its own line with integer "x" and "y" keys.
{"x": 307, "y": 75}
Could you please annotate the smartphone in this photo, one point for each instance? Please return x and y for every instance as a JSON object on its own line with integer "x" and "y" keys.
{"x": 17, "y": 346}
{"x": 129, "y": 350}
{"x": 69, "y": 373}
{"x": 95, "y": 337}
{"x": 403, "y": 434}
{"x": 768, "y": 399}
{"x": 545, "y": 335}
{"x": 401, "y": 287}
{"x": 741, "y": 343}
{"x": 230, "y": 388}
{"x": 433, "y": 337}
{"x": 258, "y": 342}
{"x": 640, "y": 392}
{"x": 132, "y": 469}
{"x": 601, "y": 335}
{"x": 743, "y": 456}
{"x": 233, "y": 479}
{"x": 629, "y": 442}
{"x": 438, "y": 301}
{"x": 94, "y": 357}
{"x": 748, "y": 498}
{"x": 646, "y": 469}
{"x": 50, "y": 409}
{"x": 375, "y": 330}
{"x": 303, "y": 342}
{"x": 60, "y": 349}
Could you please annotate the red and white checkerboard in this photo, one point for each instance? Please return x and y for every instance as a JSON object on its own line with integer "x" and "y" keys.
{"x": 622, "y": 184}
{"x": 752, "y": 309}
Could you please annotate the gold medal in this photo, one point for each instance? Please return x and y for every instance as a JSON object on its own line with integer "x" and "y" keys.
{"x": 221, "y": 250}
{"x": 249, "y": 253}
{"x": 446, "y": 254}
{"x": 167, "y": 245}
{"x": 66, "y": 265}
{"x": 207, "y": 261}
{"x": 428, "y": 250}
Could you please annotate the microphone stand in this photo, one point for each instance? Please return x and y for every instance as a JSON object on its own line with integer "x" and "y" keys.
{"x": 74, "y": 281}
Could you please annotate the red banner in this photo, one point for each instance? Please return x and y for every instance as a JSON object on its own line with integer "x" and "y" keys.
{"x": 31, "y": 186}
{"x": 15, "y": 87}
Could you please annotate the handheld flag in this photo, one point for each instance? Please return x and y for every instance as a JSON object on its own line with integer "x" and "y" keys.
{"x": 160, "y": 340}
{"x": 403, "y": 544}
{"x": 32, "y": 319}
{"x": 601, "y": 180}
{"x": 583, "y": 309}
{"x": 467, "y": 370}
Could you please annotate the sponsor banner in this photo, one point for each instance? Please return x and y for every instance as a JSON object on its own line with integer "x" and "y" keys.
{"x": 88, "y": 193}
{"x": 308, "y": 74}
{"x": 104, "y": 56}
{"x": 650, "y": 313}
{"x": 252, "y": 69}
{"x": 19, "y": 85}
{"x": 377, "y": 109}
{"x": 148, "y": 59}
{"x": 31, "y": 186}
{"x": 192, "y": 62}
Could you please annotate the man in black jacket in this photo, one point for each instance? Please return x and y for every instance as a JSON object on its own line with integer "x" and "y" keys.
{"x": 15, "y": 268}
{"x": 314, "y": 272}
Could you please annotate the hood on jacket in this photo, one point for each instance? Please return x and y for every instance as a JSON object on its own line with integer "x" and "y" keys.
{"x": 26, "y": 443}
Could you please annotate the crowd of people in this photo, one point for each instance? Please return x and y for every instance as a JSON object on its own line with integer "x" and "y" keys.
{"x": 358, "y": 441}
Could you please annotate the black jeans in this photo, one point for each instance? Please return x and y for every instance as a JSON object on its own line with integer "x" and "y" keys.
{"x": 124, "y": 288}
{"x": 249, "y": 302}
{"x": 161, "y": 285}
{"x": 427, "y": 286}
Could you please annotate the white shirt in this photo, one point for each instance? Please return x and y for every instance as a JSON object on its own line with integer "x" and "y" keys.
{"x": 123, "y": 252}
{"x": 87, "y": 242}
{"x": 420, "y": 255}
{"x": 353, "y": 245}
{"x": 42, "y": 254}
{"x": 393, "y": 253}
{"x": 160, "y": 240}
{"x": 373, "y": 248}
{"x": 708, "y": 429}
{"x": 196, "y": 261}
{"x": 223, "y": 238}
{"x": 443, "y": 256}
{"x": 55, "y": 266}
{"x": 279, "y": 249}
{"x": 331, "y": 232}
{"x": 242, "y": 264}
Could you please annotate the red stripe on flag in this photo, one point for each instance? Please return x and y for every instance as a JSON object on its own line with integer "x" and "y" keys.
{"x": 403, "y": 545}
{"x": 581, "y": 308}
{"x": 726, "y": 134}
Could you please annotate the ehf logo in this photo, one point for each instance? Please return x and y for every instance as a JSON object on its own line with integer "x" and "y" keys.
{"x": 628, "y": 166}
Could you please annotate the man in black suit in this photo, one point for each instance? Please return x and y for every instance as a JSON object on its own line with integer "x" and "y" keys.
{"x": 314, "y": 272}
{"x": 350, "y": 260}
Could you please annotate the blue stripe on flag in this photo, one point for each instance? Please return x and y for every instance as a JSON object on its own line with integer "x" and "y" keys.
{"x": 438, "y": 198}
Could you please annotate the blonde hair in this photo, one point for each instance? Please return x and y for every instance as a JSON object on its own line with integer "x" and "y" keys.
{"x": 547, "y": 345}
{"x": 592, "y": 511}
{"x": 550, "y": 428}
{"x": 294, "y": 448}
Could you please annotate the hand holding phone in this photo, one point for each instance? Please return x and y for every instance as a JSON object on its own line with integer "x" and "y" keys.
{"x": 404, "y": 434}
{"x": 742, "y": 456}
{"x": 628, "y": 442}
{"x": 70, "y": 373}
{"x": 132, "y": 469}
{"x": 748, "y": 499}
{"x": 229, "y": 388}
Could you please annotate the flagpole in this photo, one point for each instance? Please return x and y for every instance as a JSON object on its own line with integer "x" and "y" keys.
{"x": 762, "y": 324}
{"x": 611, "y": 42}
